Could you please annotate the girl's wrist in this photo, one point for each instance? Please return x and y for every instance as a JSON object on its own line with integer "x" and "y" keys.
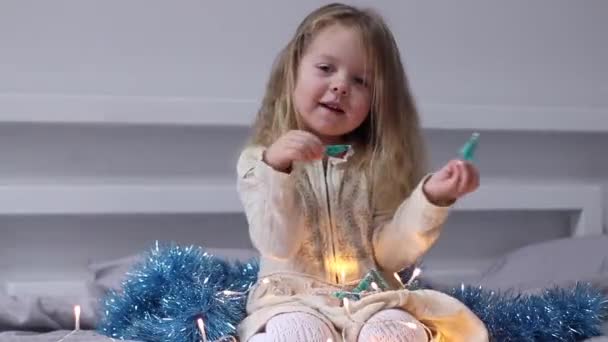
{"x": 440, "y": 201}
{"x": 279, "y": 168}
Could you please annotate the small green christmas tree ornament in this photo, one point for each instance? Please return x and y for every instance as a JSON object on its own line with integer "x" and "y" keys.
{"x": 379, "y": 279}
{"x": 340, "y": 294}
{"x": 336, "y": 150}
{"x": 363, "y": 286}
{"x": 467, "y": 151}
{"x": 365, "y": 283}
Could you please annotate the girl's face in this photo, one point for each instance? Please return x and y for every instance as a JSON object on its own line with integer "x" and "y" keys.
{"x": 331, "y": 94}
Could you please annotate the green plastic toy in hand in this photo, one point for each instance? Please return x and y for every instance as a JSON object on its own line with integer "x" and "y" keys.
{"x": 336, "y": 150}
{"x": 363, "y": 286}
{"x": 467, "y": 151}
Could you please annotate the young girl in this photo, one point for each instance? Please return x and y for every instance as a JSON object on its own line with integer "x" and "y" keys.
{"x": 321, "y": 223}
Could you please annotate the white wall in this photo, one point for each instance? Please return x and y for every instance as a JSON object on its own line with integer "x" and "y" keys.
{"x": 544, "y": 53}
{"x": 124, "y": 118}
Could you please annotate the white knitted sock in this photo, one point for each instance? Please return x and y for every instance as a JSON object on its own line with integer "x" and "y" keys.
{"x": 393, "y": 325}
{"x": 294, "y": 327}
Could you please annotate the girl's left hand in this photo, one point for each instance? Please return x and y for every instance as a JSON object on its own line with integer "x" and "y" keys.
{"x": 456, "y": 179}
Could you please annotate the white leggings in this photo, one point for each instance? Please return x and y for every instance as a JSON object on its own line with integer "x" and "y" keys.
{"x": 391, "y": 325}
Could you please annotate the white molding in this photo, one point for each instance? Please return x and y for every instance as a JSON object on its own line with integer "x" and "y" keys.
{"x": 220, "y": 196}
{"x": 141, "y": 110}
{"x": 85, "y": 199}
{"x": 125, "y": 110}
{"x": 514, "y": 118}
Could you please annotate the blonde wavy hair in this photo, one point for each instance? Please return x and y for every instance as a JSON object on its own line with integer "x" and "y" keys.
{"x": 389, "y": 146}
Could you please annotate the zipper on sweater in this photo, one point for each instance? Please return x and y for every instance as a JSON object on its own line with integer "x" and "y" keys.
{"x": 331, "y": 225}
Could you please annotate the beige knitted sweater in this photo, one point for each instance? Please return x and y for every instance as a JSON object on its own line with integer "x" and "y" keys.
{"x": 316, "y": 226}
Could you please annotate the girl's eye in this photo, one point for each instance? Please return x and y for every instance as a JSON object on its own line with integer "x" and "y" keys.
{"x": 360, "y": 81}
{"x": 324, "y": 67}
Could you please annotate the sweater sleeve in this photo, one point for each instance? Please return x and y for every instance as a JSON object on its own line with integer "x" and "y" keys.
{"x": 401, "y": 239}
{"x": 268, "y": 198}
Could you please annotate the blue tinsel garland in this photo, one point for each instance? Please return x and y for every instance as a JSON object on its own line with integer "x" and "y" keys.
{"x": 556, "y": 314}
{"x": 173, "y": 286}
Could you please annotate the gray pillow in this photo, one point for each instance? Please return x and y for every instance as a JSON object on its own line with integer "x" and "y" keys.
{"x": 559, "y": 262}
{"x": 109, "y": 274}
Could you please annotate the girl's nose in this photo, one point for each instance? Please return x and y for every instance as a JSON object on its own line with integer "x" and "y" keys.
{"x": 339, "y": 88}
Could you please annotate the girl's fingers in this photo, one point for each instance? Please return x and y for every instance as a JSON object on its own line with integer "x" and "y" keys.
{"x": 474, "y": 183}
{"x": 454, "y": 178}
{"x": 465, "y": 177}
{"x": 299, "y": 150}
{"x": 472, "y": 175}
{"x": 310, "y": 142}
{"x": 447, "y": 172}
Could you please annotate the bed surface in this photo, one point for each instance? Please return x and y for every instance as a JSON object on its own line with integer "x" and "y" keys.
{"x": 50, "y": 318}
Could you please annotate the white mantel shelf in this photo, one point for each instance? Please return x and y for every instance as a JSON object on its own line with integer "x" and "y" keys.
{"x": 190, "y": 111}
{"x": 220, "y": 197}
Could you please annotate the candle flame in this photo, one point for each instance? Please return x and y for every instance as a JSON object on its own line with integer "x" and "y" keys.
{"x": 396, "y": 275}
{"x": 342, "y": 268}
{"x": 76, "y": 317}
{"x": 346, "y": 304}
{"x": 201, "y": 327}
{"x": 415, "y": 275}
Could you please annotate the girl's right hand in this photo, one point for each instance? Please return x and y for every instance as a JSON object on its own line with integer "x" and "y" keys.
{"x": 295, "y": 145}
